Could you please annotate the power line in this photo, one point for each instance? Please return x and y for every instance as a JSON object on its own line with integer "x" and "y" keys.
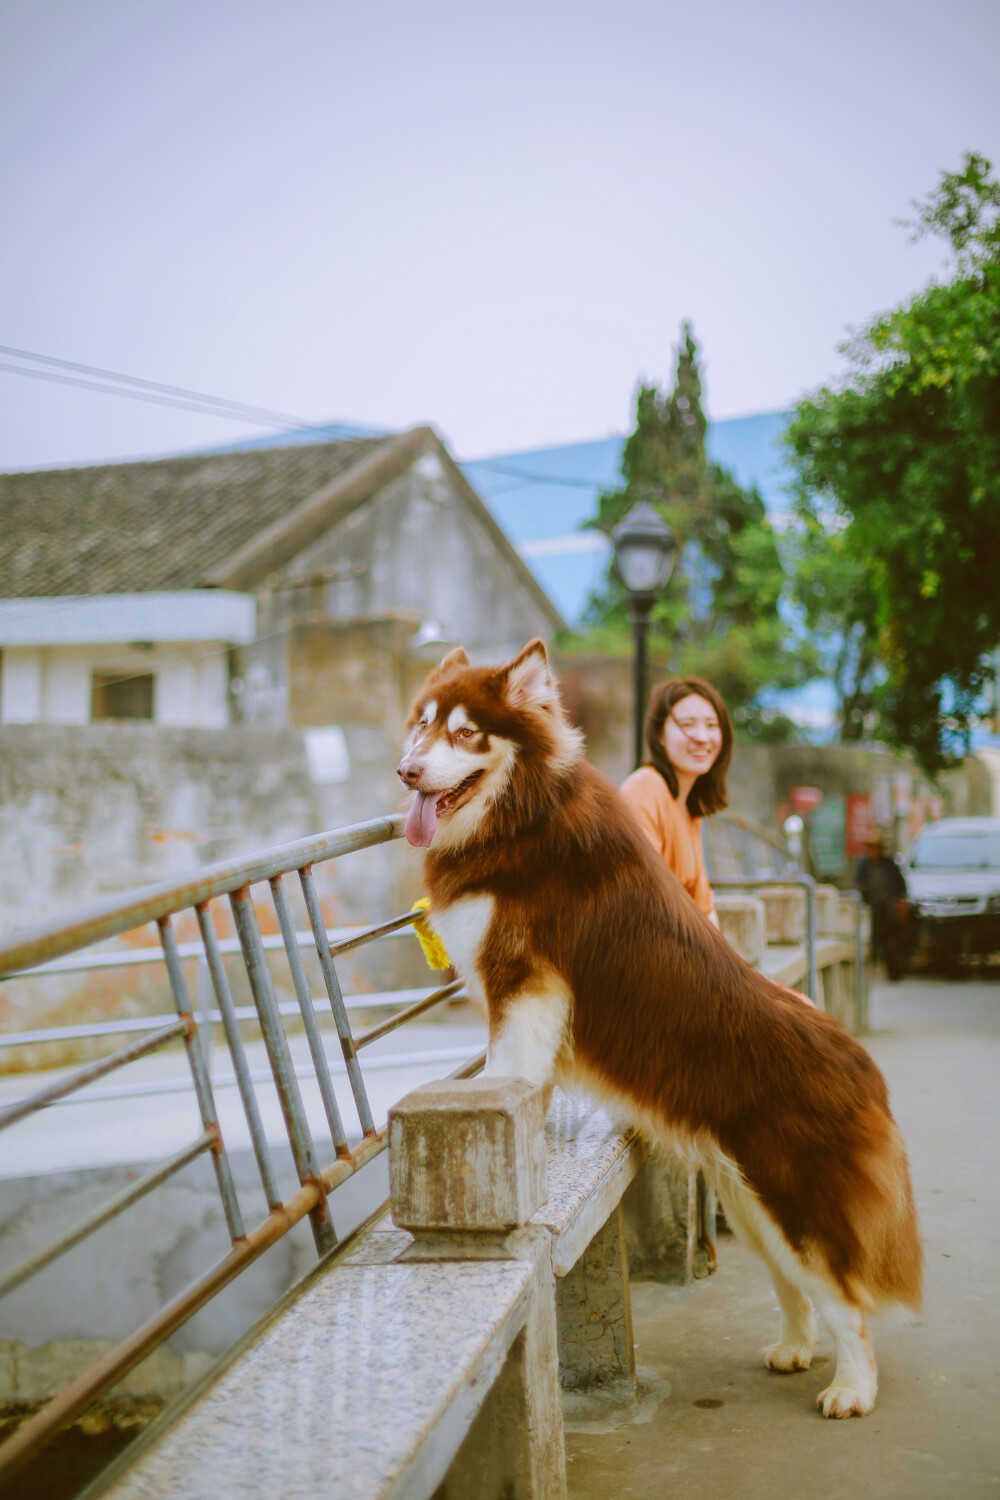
{"x": 160, "y": 394}
{"x": 110, "y": 390}
{"x": 497, "y": 467}
{"x": 522, "y": 477}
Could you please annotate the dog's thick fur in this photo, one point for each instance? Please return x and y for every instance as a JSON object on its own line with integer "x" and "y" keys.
{"x": 594, "y": 964}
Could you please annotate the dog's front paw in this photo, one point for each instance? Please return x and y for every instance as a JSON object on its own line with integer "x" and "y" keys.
{"x": 845, "y": 1401}
{"x": 788, "y": 1357}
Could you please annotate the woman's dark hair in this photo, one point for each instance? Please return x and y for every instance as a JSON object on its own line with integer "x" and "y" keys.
{"x": 708, "y": 795}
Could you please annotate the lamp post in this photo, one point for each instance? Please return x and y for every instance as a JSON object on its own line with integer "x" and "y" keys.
{"x": 644, "y": 557}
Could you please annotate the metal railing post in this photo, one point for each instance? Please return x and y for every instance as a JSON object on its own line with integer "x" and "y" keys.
{"x": 280, "y": 1058}
{"x": 336, "y": 999}
{"x": 812, "y": 980}
{"x": 205, "y": 1012}
{"x": 202, "y": 1086}
{"x": 251, "y": 1110}
{"x": 301, "y": 984}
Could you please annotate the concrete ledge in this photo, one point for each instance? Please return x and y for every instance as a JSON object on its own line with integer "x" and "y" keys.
{"x": 363, "y": 1390}
{"x": 846, "y": 916}
{"x": 787, "y": 963}
{"x": 591, "y": 1160}
{"x": 661, "y": 1221}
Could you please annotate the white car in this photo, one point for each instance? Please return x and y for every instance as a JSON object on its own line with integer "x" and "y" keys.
{"x": 952, "y": 872}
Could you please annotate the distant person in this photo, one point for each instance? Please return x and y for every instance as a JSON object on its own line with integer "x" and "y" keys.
{"x": 881, "y": 883}
{"x": 689, "y": 738}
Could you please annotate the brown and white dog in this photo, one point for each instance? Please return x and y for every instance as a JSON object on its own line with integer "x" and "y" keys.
{"x": 596, "y": 966}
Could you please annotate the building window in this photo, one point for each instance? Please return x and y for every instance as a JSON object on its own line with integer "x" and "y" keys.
{"x": 121, "y": 697}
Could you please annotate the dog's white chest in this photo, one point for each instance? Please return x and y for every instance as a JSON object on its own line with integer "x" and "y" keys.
{"x": 462, "y": 927}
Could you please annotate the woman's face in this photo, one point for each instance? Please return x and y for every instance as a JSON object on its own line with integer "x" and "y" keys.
{"x": 692, "y": 735}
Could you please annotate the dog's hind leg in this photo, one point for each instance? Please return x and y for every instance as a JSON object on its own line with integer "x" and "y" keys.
{"x": 797, "y": 1340}
{"x": 852, "y": 1391}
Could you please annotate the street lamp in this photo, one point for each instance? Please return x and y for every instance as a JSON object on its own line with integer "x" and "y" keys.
{"x": 644, "y": 557}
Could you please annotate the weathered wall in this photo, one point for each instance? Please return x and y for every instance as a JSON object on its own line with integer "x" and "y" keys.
{"x": 87, "y": 811}
{"x": 597, "y": 693}
{"x": 356, "y": 673}
{"x": 92, "y": 809}
{"x": 418, "y": 551}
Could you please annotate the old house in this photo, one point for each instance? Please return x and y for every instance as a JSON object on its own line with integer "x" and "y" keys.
{"x": 205, "y": 655}
{"x": 241, "y": 586}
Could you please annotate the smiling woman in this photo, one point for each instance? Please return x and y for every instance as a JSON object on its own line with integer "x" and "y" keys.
{"x": 689, "y": 737}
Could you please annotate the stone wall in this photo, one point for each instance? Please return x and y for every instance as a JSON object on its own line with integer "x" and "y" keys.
{"x": 89, "y": 811}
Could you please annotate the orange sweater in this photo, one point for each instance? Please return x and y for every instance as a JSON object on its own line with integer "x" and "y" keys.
{"x": 671, "y": 830}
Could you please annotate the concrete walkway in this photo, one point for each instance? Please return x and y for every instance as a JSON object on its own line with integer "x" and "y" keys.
{"x": 726, "y": 1427}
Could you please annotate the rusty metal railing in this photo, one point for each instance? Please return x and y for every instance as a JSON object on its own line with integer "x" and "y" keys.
{"x": 44, "y": 950}
{"x": 735, "y": 847}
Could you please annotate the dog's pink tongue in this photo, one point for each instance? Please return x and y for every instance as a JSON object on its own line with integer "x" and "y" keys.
{"x": 422, "y": 821}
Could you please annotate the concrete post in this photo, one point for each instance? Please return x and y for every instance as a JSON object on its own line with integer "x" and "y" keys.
{"x": 662, "y": 1222}
{"x": 594, "y": 1314}
{"x": 785, "y": 908}
{"x": 466, "y": 1172}
{"x": 827, "y": 910}
{"x": 742, "y": 924}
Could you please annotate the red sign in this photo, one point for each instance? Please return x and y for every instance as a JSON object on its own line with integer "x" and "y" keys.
{"x": 805, "y": 798}
{"x": 859, "y": 823}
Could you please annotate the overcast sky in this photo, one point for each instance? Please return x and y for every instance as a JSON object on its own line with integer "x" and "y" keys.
{"x": 492, "y": 218}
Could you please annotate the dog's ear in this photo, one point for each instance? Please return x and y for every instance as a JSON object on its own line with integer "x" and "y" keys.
{"x": 529, "y": 677}
{"x": 456, "y": 658}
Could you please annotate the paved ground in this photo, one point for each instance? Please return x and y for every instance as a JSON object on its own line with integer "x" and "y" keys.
{"x": 935, "y": 1433}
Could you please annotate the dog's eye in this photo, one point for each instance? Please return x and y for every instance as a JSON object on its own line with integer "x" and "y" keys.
{"x": 465, "y": 733}
{"x": 421, "y": 723}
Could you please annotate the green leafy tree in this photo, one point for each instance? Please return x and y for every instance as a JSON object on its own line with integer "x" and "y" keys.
{"x": 836, "y": 592}
{"x": 899, "y": 490}
{"x": 719, "y": 617}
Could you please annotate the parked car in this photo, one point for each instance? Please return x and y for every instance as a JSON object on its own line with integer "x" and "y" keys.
{"x": 952, "y": 872}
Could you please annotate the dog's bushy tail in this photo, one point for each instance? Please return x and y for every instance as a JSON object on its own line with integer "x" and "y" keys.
{"x": 889, "y": 1230}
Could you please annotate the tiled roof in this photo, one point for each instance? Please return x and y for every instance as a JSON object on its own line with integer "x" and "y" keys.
{"x": 167, "y": 524}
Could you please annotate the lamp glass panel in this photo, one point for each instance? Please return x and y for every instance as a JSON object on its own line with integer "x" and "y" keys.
{"x": 641, "y": 565}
